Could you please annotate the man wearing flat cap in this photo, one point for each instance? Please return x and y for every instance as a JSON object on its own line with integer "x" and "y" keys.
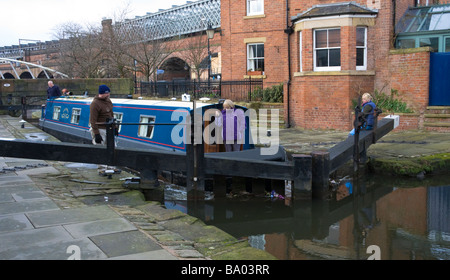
{"x": 101, "y": 109}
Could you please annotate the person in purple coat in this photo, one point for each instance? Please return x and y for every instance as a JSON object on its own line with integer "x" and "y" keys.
{"x": 232, "y": 121}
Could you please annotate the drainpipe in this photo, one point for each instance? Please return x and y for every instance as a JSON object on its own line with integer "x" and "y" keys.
{"x": 289, "y": 30}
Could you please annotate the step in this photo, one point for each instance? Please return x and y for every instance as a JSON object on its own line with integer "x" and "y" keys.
{"x": 440, "y": 116}
{"x": 437, "y": 110}
{"x": 436, "y": 124}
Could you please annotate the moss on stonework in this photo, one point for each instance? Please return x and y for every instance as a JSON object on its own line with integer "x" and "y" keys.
{"x": 433, "y": 164}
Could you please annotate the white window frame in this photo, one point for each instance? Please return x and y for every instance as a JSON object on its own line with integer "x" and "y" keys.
{"x": 143, "y": 129}
{"x": 252, "y": 7}
{"x": 56, "y": 112}
{"x": 364, "y": 66}
{"x": 250, "y": 60}
{"x": 119, "y": 118}
{"x": 300, "y": 40}
{"x": 76, "y": 116}
{"x": 324, "y": 68}
{"x": 446, "y": 38}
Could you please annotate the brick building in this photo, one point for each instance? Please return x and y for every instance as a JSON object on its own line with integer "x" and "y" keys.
{"x": 326, "y": 53}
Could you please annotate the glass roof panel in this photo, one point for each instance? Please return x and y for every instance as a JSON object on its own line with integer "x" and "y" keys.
{"x": 428, "y": 18}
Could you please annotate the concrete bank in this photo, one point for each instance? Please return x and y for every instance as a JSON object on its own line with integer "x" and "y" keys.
{"x": 409, "y": 153}
{"x": 57, "y": 210}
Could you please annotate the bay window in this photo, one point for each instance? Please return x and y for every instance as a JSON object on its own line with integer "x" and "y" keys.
{"x": 327, "y": 49}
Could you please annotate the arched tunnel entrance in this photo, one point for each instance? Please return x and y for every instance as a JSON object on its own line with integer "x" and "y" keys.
{"x": 174, "y": 69}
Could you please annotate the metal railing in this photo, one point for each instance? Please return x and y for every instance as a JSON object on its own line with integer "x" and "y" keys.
{"x": 235, "y": 90}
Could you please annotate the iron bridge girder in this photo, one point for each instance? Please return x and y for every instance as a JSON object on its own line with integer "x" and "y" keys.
{"x": 177, "y": 21}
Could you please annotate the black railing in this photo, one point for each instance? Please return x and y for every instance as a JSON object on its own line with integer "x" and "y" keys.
{"x": 235, "y": 90}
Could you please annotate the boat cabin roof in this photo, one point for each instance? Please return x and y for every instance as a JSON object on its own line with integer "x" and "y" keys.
{"x": 140, "y": 102}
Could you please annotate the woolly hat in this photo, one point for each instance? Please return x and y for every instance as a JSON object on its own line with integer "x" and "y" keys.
{"x": 103, "y": 89}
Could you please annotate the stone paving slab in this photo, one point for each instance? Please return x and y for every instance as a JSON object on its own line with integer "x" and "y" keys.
{"x": 70, "y": 216}
{"x": 80, "y": 230}
{"x": 151, "y": 255}
{"x": 125, "y": 243}
{"x": 27, "y": 206}
{"x": 62, "y": 250}
{"x": 16, "y": 222}
{"x": 28, "y": 238}
{"x": 26, "y": 195}
{"x": 14, "y": 179}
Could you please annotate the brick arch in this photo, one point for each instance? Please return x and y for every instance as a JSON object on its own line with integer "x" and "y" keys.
{"x": 8, "y": 75}
{"x": 26, "y": 75}
{"x": 174, "y": 68}
{"x": 42, "y": 75}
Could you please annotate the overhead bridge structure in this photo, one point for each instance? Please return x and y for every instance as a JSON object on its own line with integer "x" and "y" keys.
{"x": 180, "y": 20}
{"x": 30, "y": 74}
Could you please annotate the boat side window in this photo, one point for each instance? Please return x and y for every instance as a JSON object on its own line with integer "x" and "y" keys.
{"x": 76, "y": 113}
{"x": 56, "y": 112}
{"x": 146, "y": 130}
{"x": 119, "y": 118}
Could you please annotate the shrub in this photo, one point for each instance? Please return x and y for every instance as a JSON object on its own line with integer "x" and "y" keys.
{"x": 269, "y": 94}
{"x": 388, "y": 103}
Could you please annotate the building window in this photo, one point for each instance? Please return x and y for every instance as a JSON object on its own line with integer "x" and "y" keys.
{"x": 146, "y": 130}
{"x": 447, "y": 44}
{"x": 430, "y": 42}
{"x": 327, "y": 49}
{"x": 56, "y": 112}
{"x": 361, "y": 48}
{"x": 76, "y": 113}
{"x": 255, "y": 7}
{"x": 255, "y": 57}
{"x": 406, "y": 43}
{"x": 119, "y": 118}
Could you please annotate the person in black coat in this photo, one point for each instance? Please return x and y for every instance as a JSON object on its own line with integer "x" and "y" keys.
{"x": 53, "y": 91}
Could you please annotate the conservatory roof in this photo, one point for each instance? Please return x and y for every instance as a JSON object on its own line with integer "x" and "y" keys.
{"x": 422, "y": 19}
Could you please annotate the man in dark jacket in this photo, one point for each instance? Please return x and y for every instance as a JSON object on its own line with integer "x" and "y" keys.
{"x": 100, "y": 110}
{"x": 53, "y": 91}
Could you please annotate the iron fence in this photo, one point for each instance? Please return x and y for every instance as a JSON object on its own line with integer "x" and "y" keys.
{"x": 243, "y": 90}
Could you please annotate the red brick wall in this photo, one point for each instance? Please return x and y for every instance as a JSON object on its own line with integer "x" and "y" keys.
{"x": 407, "y": 121}
{"x": 235, "y": 28}
{"x": 325, "y": 102}
{"x": 409, "y": 74}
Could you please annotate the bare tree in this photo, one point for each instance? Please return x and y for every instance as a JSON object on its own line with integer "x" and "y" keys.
{"x": 117, "y": 62}
{"x": 81, "y": 51}
{"x": 149, "y": 53}
{"x": 195, "y": 52}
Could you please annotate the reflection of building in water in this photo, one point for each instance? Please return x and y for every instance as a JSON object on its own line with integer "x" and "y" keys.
{"x": 257, "y": 241}
{"x": 409, "y": 223}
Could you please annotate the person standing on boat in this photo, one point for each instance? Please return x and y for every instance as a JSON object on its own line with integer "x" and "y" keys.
{"x": 53, "y": 90}
{"x": 232, "y": 121}
{"x": 101, "y": 109}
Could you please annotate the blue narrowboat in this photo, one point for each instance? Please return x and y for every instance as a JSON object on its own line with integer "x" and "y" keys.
{"x": 67, "y": 118}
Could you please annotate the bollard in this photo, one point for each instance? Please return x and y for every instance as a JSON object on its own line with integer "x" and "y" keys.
{"x": 303, "y": 180}
{"x": 110, "y": 143}
{"x": 320, "y": 174}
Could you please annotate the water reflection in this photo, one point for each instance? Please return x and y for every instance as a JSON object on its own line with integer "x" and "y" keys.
{"x": 404, "y": 220}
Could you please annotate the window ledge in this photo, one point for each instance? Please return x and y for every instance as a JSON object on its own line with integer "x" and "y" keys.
{"x": 335, "y": 73}
{"x": 255, "y": 76}
{"x": 255, "y": 16}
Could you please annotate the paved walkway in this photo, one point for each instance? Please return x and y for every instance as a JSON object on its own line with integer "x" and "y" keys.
{"x": 33, "y": 226}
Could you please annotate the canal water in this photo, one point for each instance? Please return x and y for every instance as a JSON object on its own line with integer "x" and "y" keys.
{"x": 375, "y": 217}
